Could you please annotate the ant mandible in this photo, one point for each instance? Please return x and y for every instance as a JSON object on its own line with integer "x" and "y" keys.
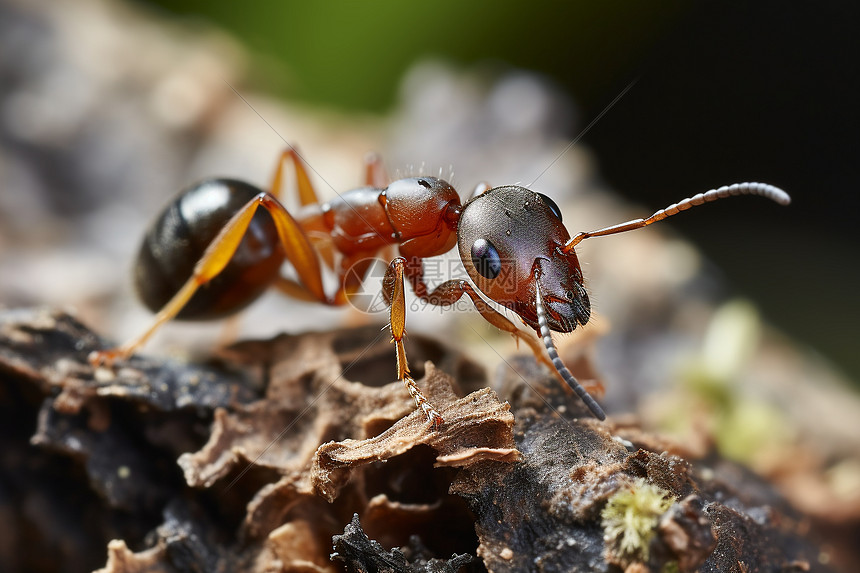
{"x": 212, "y": 252}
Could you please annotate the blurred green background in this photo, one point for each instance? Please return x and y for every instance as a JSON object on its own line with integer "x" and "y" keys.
{"x": 727, "y": 91}
{"x": 353, "y": 54}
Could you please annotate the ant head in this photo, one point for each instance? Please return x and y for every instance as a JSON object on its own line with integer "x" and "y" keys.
{"x": 504, "y": 236}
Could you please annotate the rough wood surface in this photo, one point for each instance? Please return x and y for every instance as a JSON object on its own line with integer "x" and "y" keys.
{"x": 263, "y": 460}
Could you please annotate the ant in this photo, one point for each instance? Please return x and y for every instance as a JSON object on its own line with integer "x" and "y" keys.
{"x": 213, "y": 251}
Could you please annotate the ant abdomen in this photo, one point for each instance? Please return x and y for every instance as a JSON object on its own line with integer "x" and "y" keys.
{"x": 180, "y": 235}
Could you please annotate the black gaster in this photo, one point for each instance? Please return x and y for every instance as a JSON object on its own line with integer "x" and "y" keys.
{"x": 180, "y": 235}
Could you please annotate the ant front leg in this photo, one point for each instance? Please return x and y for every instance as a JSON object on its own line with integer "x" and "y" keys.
{"x": 217, "y": 255}
{"x": 374, "y": 171}
{"x": 451, "y": 291}
{"x": 394, "y": 293}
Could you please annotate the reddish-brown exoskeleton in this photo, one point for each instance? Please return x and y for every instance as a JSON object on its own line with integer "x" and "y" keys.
{"x": 212, "y": 252}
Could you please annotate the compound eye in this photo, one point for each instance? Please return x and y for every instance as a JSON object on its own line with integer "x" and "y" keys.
{"x": 486, "y": 259}
{"x": 552, "y": 206}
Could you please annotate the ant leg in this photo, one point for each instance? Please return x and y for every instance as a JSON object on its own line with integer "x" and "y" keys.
{"x": 374, "y": 171}
{"x": 451, "y": 291}
{"x": 307, "y": 195}
{"x": 375, "y": 176}
{"x": 294, "y": 289}
{"x": 353, "y": 271}
{"x": 394, "y": 293}
{"x": 218, "y": 254}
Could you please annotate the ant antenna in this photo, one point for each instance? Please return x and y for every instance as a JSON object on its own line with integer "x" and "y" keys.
{"x": 556, "y": 361}
{"x": 762, "y": 189}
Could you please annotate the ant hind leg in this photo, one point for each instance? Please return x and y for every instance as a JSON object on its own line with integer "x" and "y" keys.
{"x": 218, "y": 254}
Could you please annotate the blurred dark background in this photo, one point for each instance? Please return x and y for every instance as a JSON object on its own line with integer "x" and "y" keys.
{"x": 726, "y": 92}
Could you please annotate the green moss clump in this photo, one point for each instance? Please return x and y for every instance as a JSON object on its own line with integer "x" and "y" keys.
{"x": 629, "y": 519}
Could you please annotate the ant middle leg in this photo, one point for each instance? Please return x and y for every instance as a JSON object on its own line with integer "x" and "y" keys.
{"x": 353, "y": 270}
{"x": 218, "y": 254}
{"x": 307, "y": 194}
